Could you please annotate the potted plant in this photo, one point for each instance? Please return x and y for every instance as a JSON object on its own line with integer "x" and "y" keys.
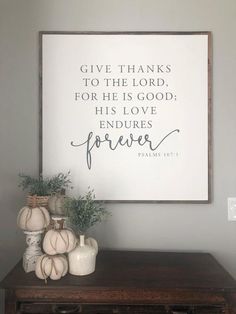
{"x": 83, "y": 213}
{"x": 43, "y": 187}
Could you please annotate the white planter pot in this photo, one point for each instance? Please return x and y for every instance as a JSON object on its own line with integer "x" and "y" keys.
{"x": 82, "y": 259}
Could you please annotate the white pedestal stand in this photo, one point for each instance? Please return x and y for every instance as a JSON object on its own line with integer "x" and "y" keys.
{"x": 33, "y": 251}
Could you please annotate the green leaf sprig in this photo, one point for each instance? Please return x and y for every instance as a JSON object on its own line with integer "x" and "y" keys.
{"x": 43, "y": 186}
{"x": 84, "y": 212}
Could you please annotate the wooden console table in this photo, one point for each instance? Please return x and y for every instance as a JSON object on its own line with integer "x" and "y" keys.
{"x": 128, "y": 283}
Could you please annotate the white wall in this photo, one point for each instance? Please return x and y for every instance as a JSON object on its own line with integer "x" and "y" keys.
{"x": 132, "y": 226}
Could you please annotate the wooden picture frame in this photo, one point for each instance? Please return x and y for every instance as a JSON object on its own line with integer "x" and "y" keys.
{"x": 128, "y": 113}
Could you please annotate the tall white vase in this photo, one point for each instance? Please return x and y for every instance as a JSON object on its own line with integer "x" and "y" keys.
{"x": 33, "y": 251}
{"x": 82, "y": 260}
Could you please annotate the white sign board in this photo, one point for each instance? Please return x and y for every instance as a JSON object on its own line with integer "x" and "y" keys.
{"x": 127, "y": 114}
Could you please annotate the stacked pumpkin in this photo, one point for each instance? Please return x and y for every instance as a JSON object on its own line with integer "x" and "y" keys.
{"x": 54, "y": 263}
{"x": 45, "y": 195}
{"x": 33, "y": 220}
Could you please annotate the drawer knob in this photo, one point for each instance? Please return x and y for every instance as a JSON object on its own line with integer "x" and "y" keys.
{"x": 66, "y": 309}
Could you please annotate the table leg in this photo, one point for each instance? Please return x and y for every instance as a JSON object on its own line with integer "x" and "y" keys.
{"x": 10, "y": 302}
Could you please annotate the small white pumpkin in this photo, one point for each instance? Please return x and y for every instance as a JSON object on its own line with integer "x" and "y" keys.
{"x": 53, "y": 267}
{"x": 56, "y": 205}
{"x": 59, "y": 241}
{"x": 33, "y": 219}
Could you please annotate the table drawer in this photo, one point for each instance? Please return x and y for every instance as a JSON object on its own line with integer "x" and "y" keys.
{"x": 45, "y": 308}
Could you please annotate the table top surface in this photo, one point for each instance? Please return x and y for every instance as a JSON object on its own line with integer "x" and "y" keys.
{"x": 130, "y": 269}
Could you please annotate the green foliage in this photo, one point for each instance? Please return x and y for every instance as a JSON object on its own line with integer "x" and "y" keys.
{"x": 84, "y": 212}
{"x": 43, "y": 186}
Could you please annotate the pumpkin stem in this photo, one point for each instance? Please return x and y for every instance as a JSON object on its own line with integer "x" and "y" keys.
{"x": 58, "y": 224}
{"x": 61, "y": 223}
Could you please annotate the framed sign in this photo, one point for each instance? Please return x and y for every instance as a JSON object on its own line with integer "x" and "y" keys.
{"x": 127, "y": 114}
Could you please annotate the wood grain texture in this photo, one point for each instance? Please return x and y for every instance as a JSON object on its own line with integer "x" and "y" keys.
{"x": 134, "y": 278}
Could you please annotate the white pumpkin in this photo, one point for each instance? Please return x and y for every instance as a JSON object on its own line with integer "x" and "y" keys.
{"x": 56, "y": 205}
{"x": 33, "y": 219}
{"x": 53, "y": 267}
{"x": 59, "y": 241}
